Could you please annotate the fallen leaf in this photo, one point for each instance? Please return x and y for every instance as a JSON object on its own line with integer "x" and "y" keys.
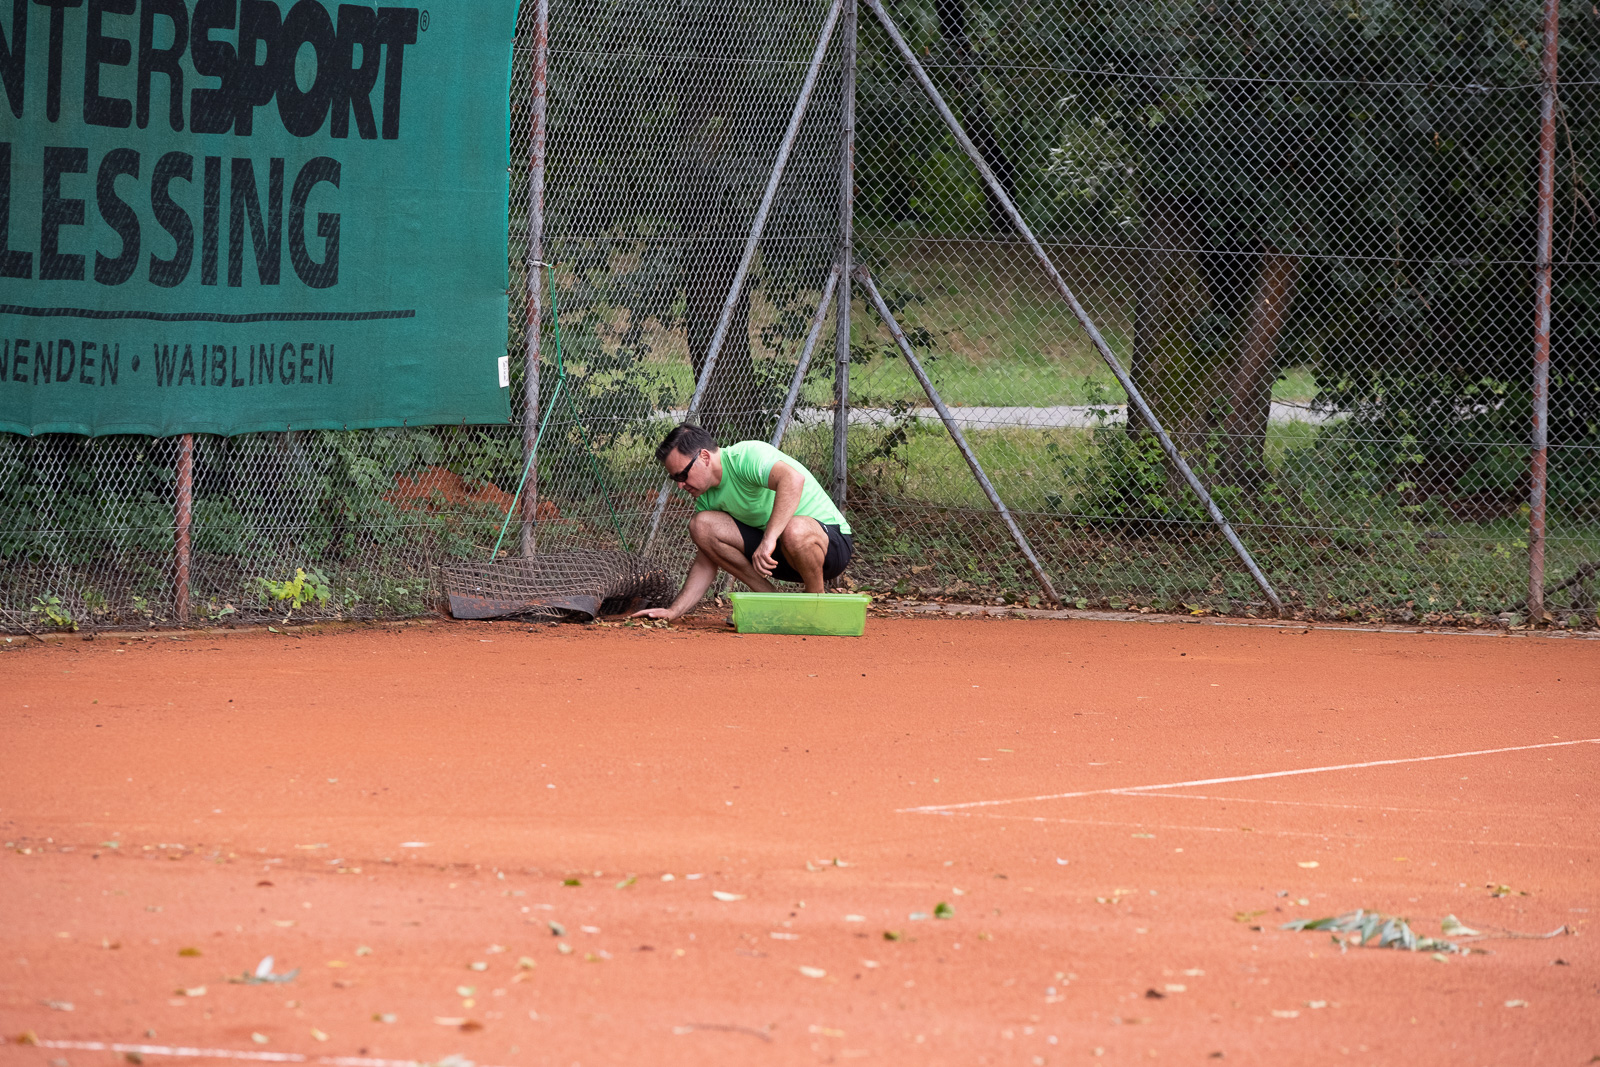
{"x": 1154, "y": 994}
{"x": 1454, "y": 927}
{"x": 190, "y": 991}
{"x": 942, "y": 910}
{"x": 1246, "y": 916}
{"x": 318, "y": 1034}
{"x": 564, "y": 948}
{"x": 813, "y": 972}
{"x": 626, "y": 882}
{"x": 571, "y": 881}
{"x": 384, "y": 1017}
{"x": 477, "y": 965}
{"x": 776, "y": 936}
{"x": 526, "y": 963}
{"x": 133, "y": 1057}
{"x": 1308, "y": 864}
{"x": 58, "y": 1005}
{"x": 191, "y": 952}
{"x": 1285, "y": 1014}
{"x": 260, "y": 1039}
{"x": 896, "y": 935}
{"x": 363, "y": 950}
{"x": 27, "y": 1037}
{"x": 726, "y": 898}
{"x": 447, "y": 1020}
{"x": 556, "y": 929}
{"x": 470, "y": 1026}
{"x": 1516, "y": 1003}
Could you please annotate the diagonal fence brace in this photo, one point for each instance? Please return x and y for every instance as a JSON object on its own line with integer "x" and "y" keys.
{"x": 861, "y": 275}
{"x": 1136, "y": 399}
{"x": 805, "y": 358}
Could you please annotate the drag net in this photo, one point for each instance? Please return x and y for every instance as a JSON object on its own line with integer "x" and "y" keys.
{"x": 572, "y": 584}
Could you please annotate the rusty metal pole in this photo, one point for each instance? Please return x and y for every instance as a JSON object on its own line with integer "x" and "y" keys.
{"x": 535, "y": 269}
{"x": 847, "y": 200}
{"x": 1539, "y": 472}
{"x": 184, "y": 515}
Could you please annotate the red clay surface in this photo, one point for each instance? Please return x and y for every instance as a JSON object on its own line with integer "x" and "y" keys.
{"x": 263, "y": 793}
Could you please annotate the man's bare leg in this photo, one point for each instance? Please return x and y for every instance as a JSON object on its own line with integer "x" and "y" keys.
{"x": 805, "y": 546}
{"x": 717, "y": 537}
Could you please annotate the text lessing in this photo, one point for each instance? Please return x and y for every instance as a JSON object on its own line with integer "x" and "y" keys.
{"x": 253, "y": 213}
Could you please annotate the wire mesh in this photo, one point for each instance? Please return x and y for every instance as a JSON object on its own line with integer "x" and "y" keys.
{"x": 1305, "y": 226}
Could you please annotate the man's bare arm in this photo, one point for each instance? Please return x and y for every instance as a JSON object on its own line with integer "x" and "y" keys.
{"x": 787, "y": 483}
{"x": 695, "y": 584}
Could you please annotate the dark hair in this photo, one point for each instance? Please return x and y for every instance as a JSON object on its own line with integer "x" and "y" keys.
{"x": 688, "y": 439}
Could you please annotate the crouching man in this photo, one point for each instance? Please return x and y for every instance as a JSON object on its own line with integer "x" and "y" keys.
{"x": 759, "y": 515}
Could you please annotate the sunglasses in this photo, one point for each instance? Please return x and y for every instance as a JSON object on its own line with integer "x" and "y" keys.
{"x": 682, "y": 477}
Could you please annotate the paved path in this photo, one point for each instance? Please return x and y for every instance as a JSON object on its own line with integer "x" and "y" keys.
{"x": 1053, "y": 417}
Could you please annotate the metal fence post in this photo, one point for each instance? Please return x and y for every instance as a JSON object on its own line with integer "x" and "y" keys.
{"x": 847, "y": 202}
{"x": 1540, "y": 471}
{"x": 183, "y": 507}
{"x": 535, "y": 257}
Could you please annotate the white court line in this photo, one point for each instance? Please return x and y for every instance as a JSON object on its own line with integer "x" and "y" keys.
{"x": 934, "y": 809}
{"x": 229, "y": 1054}
{"x": 1349, "y": 807}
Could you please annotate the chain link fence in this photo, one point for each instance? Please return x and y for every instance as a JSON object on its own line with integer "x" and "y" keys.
{"x": 1308, "y": 229}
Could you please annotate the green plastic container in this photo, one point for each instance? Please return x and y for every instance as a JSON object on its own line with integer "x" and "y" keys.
{"x": 821, "y": 614}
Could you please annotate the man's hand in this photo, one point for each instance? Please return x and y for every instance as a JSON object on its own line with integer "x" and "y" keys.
{"x": 763, "y": 558}
{"x": 655, "y": 613}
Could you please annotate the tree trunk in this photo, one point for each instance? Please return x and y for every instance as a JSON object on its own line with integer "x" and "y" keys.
{"x": 1168, "y": 365}
{"x": 1249, "y": 392}
{"x": 975, "y": 108}
{"x": 1207, "y": 332}
{"x": 714, "y": 219}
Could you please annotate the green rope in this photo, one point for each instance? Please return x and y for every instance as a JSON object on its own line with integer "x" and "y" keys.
{"x": 572, "y": 404}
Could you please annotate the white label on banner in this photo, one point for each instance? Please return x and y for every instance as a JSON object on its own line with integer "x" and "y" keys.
{"x": 505, "y": 372}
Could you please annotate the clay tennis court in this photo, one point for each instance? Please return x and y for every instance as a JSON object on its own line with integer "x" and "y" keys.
{"x": 948, "y": 842}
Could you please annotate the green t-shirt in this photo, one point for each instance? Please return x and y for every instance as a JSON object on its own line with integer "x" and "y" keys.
{"x": 743, "y": 491}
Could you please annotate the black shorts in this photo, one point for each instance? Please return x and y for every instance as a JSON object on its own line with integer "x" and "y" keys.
{"x": 840, "y": 548}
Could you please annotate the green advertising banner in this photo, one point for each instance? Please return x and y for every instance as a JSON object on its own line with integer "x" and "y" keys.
{"x": 225, "y": 216}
